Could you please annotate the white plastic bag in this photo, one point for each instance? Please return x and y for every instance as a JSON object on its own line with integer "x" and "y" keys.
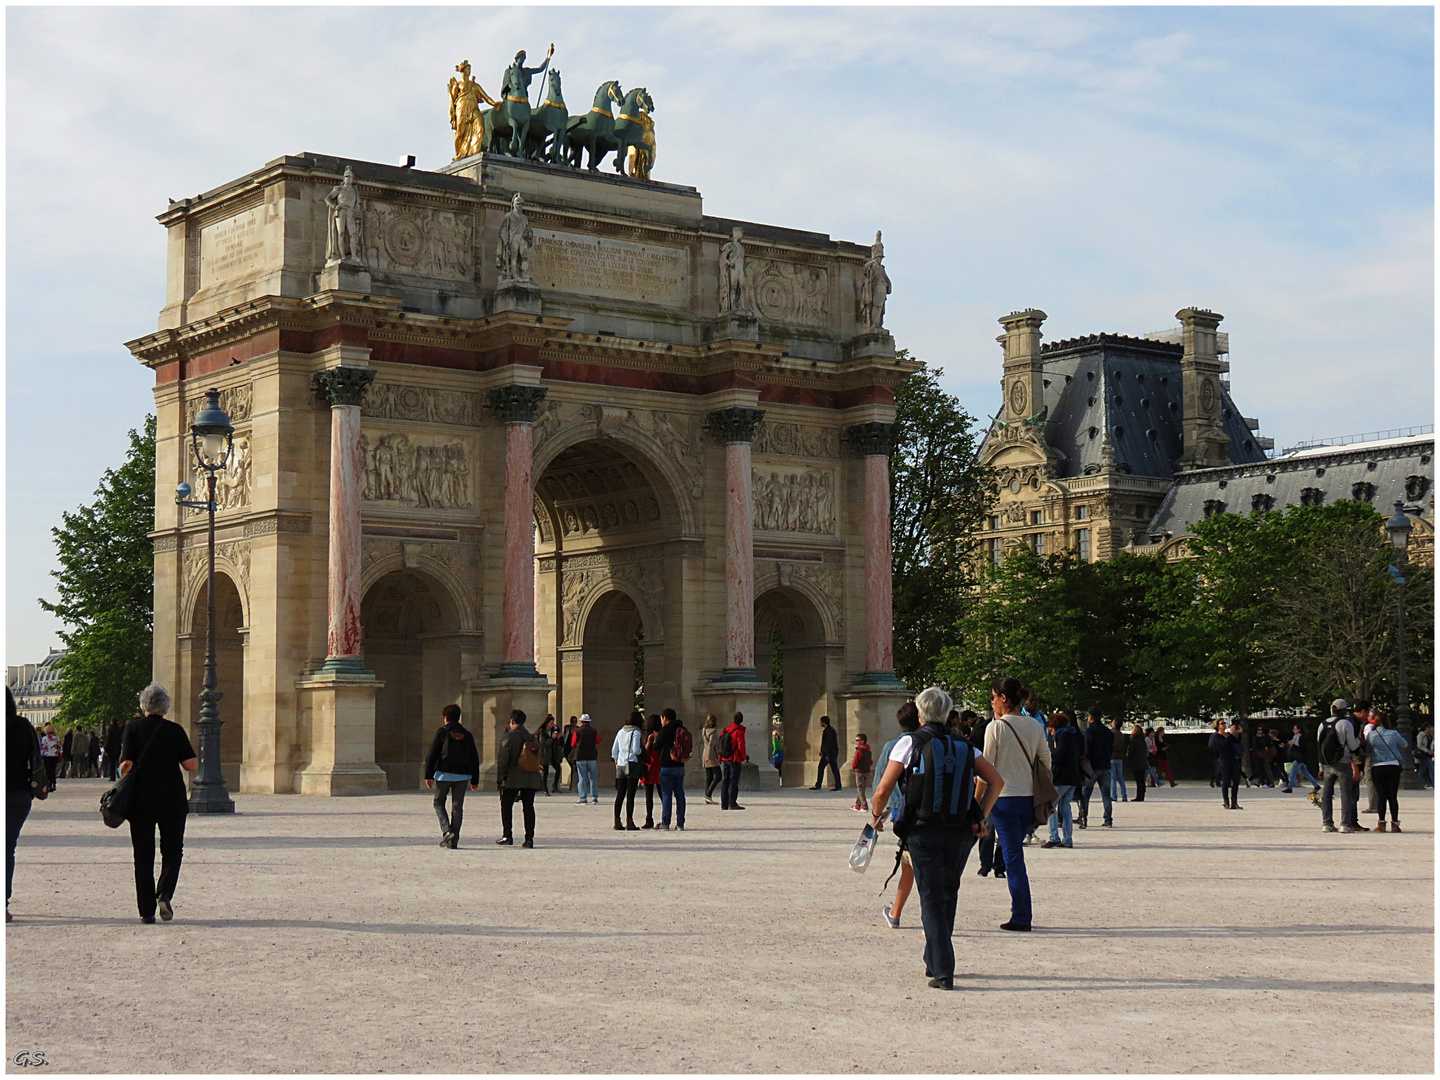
{"x": 863, "y": 849}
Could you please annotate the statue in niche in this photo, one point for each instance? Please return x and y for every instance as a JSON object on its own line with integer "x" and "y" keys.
{"x": 874, "y": 288}
{"x": 517, "y": 241}
{"x": 343, "y": 242}
{"x": 733, "y": 292}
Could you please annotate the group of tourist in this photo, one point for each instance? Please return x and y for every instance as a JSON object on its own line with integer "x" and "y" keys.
{"x": 81, "y": 753}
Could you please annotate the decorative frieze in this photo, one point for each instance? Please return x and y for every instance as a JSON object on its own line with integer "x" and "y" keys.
{"x": 786, "y": 439}
{"x": 421, "y": 240}
{"x": 787, "y": 292}
{"x": 794, "y": 500}
{"x": 583, "y": 576}
{"x": 236, "y": 402}
{"x": 394, "y": 401}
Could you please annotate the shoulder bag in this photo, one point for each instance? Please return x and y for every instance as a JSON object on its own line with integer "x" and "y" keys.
{"x": 1042, "y": 782}
{"x": 115, "y": 803}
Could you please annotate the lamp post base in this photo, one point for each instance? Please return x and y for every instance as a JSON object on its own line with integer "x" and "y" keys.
{"x": 209, "y": 799}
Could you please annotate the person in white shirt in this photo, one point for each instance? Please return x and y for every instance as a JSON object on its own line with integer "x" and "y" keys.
{"x": 1012, "y": 744}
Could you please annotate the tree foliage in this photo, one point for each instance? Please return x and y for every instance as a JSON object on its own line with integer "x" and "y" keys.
{"x": 938, "y": 494}
{"x": 105, "y": 591}
{"x": 1278, "y": 608}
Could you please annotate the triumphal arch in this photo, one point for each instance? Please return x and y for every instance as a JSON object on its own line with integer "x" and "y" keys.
{"x": 517, "y": 434}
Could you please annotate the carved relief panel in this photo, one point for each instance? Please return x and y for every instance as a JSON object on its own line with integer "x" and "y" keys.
{"x": 394, "y": 401}
{"x": 232, "y": 483}
{"x": 584, "y": 575}
{"x": 420, "y": 240}
{"x": 789, "y": 292}
{"x": 794, "y": 500}
{"x": 416, "y": 470}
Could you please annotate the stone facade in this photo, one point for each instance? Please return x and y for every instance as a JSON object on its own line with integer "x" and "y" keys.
{"x": 1111, "y": 443}
{"x": 540, "y": 475}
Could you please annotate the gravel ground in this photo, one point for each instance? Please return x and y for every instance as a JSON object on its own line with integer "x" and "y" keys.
{"x": 333, "y": 936}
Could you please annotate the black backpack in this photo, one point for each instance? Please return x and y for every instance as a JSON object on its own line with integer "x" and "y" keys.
{"x": 1330, "y": 749}
{"x": 725, "y": 744}
{"x": 939, "y": 782}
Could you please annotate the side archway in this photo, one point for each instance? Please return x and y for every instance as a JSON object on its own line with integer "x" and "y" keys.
{"x": 231, "y": 632}
{"x": 791, "y": 653}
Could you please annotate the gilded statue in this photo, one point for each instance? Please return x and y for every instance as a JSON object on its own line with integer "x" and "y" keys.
{"x": 642, "y": 154}
{"x": 874, "y": 288}
{"x": 465, "y": 117}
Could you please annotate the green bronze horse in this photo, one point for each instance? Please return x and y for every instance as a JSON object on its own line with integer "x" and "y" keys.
{"x": 588, "y": 133}
{"x": 549, "y": 122}
{"x": 629, "y": 127}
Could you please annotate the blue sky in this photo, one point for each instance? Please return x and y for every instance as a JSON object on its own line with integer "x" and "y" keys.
{"x": 1109, "y": 165}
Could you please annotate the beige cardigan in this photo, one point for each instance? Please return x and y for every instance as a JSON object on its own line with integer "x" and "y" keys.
{"x": 1009, "y": 758}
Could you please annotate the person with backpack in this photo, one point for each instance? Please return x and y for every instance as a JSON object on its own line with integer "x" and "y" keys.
{"x": 730, "y": 749}
{"x": 708, "y": 757}
{"x": 453, "y": 762}
{"x": 943, "y": 810}
{"x": 583, "y": 742}
{"x": 1386, "y": 761}
{"x": 625, "y": 752}
{"x": 517, "y": 771}
{"x": 829, "y": 754}
{"x": 673, "y": 750}
{"x": 908, "y": 717}
{"x": 860, "y": 767}
{"x": 1336, "y": 748}
{"x": 1068, "y": 775}
{"x": 1016, "y": 744}
{"x": 777, "y": 749}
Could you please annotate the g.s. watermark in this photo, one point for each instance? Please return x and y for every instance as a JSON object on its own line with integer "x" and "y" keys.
{"x": 30, "y": 1057}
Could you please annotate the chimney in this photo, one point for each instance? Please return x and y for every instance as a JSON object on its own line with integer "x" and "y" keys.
{"x": 1204, "y": 442}
{"x": 1023, "y": 384}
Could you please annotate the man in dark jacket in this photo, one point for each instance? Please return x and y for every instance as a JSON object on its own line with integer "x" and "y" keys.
{"x": 829, "y": 754}
{"x": 1099, "y": 743}
{"x": 22, "y": 750}
{"x": 67, "y": 758}
{"x": 583, "y": 743}
{"x": 453, "y": 762}
{"x": 672, "y": 767}
{"x": 113, "y": 738}
{"x": 516, "y": 780}
{"x": 1065, "y": 764}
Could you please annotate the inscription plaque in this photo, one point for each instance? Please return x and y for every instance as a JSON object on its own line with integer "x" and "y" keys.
{"x": 231, "y": 248}
{"x": 616, "y": 269}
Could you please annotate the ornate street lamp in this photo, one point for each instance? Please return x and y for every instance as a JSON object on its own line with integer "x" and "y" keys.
{"x": 1399, "y": 527}
{"x": 211, "y": 436}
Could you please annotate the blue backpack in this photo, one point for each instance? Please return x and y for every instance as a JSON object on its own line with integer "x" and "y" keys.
{"x": 938, "y": 785}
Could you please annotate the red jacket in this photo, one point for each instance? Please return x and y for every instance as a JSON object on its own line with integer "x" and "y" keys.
{"x": 863, "y": 748}
{"x": 737, "y": 732}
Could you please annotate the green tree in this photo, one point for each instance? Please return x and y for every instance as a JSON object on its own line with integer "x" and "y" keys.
{"x": 938, "y": 494}
{"x": 106, "y": 591}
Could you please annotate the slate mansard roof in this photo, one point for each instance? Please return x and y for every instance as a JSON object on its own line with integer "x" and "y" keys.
{"x": 1377, "y": 472}
{"x": 1129, "y": 387}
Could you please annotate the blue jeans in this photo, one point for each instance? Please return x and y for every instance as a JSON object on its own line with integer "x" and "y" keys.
{"x": 672, "y": 781}
{"x": 729, "y": 784}
{"x": 1064, "y": 814}
{"x": 1102, "y": 780}
{"x": 1117, "y": 780}
{"x": 17, "y": 809}
{"x": 589, "y": 788}
{"x": 1013, "y": 815}
{"x": 1298, "y": 769}
{"x": 938, "y": 855}
{"x": 1425, "y": 770}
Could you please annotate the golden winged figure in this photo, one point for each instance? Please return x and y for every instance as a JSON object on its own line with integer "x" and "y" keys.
{"x": 465, "y": 118}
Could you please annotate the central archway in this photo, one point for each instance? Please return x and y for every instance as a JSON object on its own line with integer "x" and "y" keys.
{"x": 606, "y": 517}
{"x": 788, "y": 621}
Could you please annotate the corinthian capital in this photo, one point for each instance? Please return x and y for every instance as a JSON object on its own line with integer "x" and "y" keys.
{"x": 735, "y": 425}
{"x": 344, "y": 385}
{"x": 865, "y": 440}
{"x": 517, "y": 404}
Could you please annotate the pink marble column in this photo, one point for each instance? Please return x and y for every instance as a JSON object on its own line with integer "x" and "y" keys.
{"x": 739, "y": 558}
{"x": 879, "y": 608}
{"x": 519, "y": 610}
{"x": 737, "y": 427}
{"x": 345, "y": 388}
{"x": 872, "y": 442}
{"x": 518, "y": 406}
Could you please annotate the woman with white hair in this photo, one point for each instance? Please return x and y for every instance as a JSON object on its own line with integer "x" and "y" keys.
{"x": 156, "y": 749}
{"x": 939, "y": 840}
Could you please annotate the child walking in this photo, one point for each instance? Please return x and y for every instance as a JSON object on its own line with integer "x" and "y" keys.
{"x": 861, "y": 766}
